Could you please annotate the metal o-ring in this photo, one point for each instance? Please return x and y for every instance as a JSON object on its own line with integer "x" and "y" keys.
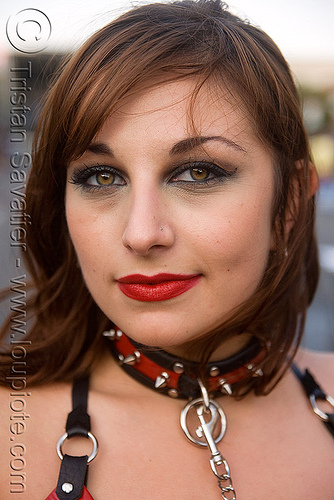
{"x": 89, "y": 436}
{"x": 316, "y": 408}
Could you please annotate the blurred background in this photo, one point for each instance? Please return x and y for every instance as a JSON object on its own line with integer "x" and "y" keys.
{"x": 34, "y": 37}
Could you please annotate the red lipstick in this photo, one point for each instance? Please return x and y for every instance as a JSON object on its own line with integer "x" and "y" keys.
{"x": 156, "y": 288}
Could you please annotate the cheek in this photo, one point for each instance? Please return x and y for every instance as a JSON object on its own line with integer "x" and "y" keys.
{"x": 237, "y": 254}
{"x": 85, "y": 234}
{"x": 247, "y": 231}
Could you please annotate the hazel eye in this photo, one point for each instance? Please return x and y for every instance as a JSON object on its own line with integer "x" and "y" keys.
{"x": 199, "y": 174}
{"x": 194, "y": 174}
{"x": 103, "y": 178}
{"x": 97, "y": 177}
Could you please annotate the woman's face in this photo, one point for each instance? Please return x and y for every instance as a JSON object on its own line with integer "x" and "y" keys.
{"x": 172, "y": 229}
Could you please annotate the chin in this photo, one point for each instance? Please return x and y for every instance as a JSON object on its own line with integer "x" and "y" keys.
{"x": 160, "y": 332}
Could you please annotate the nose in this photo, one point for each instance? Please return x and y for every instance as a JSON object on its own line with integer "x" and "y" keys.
{"x": 148, "y": 225}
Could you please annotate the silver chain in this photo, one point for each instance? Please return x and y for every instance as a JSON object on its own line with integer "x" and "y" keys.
{"x": 212, "y": 422}
{"x": 227, "y": 490}
{"x": 226, "y": 486}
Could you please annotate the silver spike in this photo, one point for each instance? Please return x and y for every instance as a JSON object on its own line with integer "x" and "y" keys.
{"x": 132, "y": 359}
{"x": 161, "y": 380}
{"x": 225, "y": 387}
{"x": 178, "y": 367}
{"x": 258, "y": 373}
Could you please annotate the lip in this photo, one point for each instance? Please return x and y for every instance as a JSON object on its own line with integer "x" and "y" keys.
{"x": 156, "y": 288}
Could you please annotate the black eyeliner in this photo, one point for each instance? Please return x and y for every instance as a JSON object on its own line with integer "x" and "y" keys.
{"x": 210, "y": 167}
{"x": 81, "y": 174}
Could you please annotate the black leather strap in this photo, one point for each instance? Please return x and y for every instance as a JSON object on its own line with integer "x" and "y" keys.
{"x": 73, "y": 471}
{"x": 312, "y": 388}
{"x": 72, "y": 477}
{"x": 78, "y": 421}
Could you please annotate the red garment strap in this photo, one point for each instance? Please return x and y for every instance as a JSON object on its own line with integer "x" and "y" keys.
{"x": 85, "y": 495}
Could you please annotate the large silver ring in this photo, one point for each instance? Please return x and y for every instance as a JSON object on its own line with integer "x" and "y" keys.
{"x": 89, "y": 436}
{"x": 213, "y": 407}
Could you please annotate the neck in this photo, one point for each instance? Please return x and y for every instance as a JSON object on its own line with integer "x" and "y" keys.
{"x": 225, "y": 350}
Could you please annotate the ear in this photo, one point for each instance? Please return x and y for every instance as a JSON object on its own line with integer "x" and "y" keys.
{"x": 294, "y": 193}
{"x": 312, "y": 189}
{"x": 313, "y": 178}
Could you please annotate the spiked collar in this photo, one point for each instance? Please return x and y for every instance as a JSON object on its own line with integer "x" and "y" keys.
{"x": 177, "y": 377}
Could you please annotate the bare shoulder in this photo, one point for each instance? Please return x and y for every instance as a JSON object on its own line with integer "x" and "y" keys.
{"x": 30, "y": 417}
{"x": 36, "y": 398}
{"x": 321, "y": 365}
{"x": 23, "y": 409}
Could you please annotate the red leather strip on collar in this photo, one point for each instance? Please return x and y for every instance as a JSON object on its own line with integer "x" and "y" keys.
{"x": 236, "y": 375}
{"x": 146, "y": 366}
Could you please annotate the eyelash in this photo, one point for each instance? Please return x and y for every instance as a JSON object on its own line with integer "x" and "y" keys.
{"x": 81, "y": 175}
{"x": 215, "y": 173}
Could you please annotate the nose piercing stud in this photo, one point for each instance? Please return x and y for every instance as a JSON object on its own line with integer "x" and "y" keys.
{"x": 161, "y": 229}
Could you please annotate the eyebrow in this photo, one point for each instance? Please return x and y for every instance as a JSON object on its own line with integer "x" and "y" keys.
{"x": 183, "y": 146}
{"x": 192, "y": 142}
{"x": 100, "y": 148}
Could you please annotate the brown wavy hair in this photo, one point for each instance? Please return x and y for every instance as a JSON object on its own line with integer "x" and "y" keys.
{"x": 198, "y": 39}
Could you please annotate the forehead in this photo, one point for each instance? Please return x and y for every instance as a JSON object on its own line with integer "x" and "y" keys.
{"x": 180, "y": 107}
